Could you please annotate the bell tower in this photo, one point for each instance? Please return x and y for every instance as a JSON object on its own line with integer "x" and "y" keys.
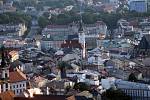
{"x": 81, "y": 34}
{"x": 82, "y": 39}
{"x": 4, "y": 70}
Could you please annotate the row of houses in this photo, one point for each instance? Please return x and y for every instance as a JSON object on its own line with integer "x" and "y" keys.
{"x": 54, "y": 35}
{"x": 12, "y": 30}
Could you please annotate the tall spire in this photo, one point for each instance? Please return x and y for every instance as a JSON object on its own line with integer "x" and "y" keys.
{"x": 80, "y": 27}
{"x": 81, "y": 21}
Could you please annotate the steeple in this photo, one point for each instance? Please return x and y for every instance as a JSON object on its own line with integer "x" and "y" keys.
{"x": 81, "y": 22}
{"x": 81, "y": 34}
{"x": 80, "y": 26}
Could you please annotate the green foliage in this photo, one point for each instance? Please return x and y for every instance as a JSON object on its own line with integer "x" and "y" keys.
{"x": 23, "y": 3}
{"x": 115, "y": 95}
{"x": 81, "y": 86}
{"x": 63, "y": 18}
{"x": 58, "y": 3}
{"x": 62, "y": 66}
{"x": 14, "y": 18}
{"x": 89, "y": 18}
{"x": 68, "y": 88}
{"x": 43, "y": 21}
{"x": 132, "y": 78}
{"x": 110, "y": 19}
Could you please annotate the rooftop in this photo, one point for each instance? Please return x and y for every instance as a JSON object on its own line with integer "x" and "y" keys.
{"x": 17, "y": 76}
{"x": 9, "y": 95}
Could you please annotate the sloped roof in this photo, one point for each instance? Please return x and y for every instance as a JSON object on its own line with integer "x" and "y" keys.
{"x": 9, "y": 95}
{"x": 16, "y": 76}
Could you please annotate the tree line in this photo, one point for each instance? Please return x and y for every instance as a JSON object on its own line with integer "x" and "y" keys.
{"x": 14, "y": 18}
{"x": 89, "y": 18}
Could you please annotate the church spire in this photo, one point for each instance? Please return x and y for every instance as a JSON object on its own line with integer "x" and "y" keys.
{"x": 81, "y": 21}
{"x": 80, "y": 26}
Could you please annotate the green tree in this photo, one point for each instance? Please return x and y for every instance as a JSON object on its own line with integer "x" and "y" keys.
{"x": 43, "y": 21}
{"x": 89, "y": 18}
{"x": 6, "y": 18}
{"x": 81, "y": 86}
{"x": 63, "y": 19}
{"x": 132, "y": 78}
{"x": 62, "y": 66}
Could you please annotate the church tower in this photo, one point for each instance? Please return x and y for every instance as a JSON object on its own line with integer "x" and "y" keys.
{"x": 81, "y": 34}
{"x": 4, "y": 70}
{"x": 82, "y": 39}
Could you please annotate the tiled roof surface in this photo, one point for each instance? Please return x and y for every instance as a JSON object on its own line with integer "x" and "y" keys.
{"x": 9, "y": 95}
{"x": 71, "y": 44}
{"x": 16, "y": 76}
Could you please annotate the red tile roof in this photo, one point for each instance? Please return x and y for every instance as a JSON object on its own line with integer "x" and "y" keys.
{"x": 71, "y": 44}
{"x": 13, "y": 53}
{"x": 16, "y": 76}
{"x": 9, "y": 95}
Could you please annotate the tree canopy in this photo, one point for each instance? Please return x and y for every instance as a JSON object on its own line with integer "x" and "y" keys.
{"x": 6, "y": 18}
{"x": 132, "y": 78}
{"x": 81, "y": 86}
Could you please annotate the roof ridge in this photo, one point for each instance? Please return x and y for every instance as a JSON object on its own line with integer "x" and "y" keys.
{"x": 21, "y": 73}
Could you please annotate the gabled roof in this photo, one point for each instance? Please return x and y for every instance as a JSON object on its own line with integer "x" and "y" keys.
{"x": 16, "y": 76}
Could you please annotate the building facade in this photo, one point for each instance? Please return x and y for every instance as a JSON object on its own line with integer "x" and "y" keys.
{"x": 138, "y": 5}
{"x": 15, "y": 80}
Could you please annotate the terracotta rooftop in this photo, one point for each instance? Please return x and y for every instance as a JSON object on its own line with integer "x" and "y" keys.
{"x": 17, "y": 76}
{"x": 9, "y": 95}
{"x": 13, "y": 53}
{"x": 71, "y": 44}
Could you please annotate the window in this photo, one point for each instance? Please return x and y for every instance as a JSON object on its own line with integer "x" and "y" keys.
{"x": 6, "y": 75}
{"x": 13, "y": 86}
{"x": 20, "y": 85}
{"x": 17, "y": 86}
{"x": 6, "y": 85}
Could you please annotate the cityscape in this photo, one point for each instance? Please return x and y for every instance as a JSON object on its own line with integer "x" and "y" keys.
{"x": 74, "y": 49}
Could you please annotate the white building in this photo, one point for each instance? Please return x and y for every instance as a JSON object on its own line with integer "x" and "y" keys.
{"x": 14, "y": 43}
{"x": 12, "y": 29}
{"x": 133, "y": 89}
{"x": 47, "y": 43}
{"x": 15, "y": 81}
{"x": 87, "y": 76}
{"x": 124, "y": 27}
